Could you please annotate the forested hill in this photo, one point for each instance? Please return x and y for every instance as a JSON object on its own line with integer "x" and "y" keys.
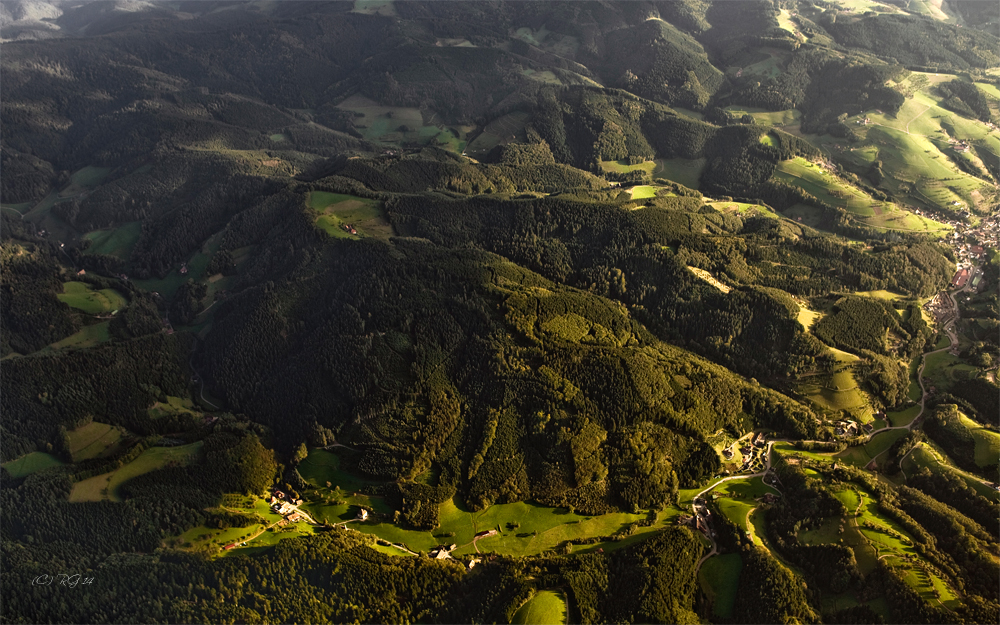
{"x": 516, "y": 386}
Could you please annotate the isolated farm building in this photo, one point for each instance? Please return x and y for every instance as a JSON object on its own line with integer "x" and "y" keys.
{"x": 474, "y": 562}
{"x": 82, "y": 272}
{"x": 363, "y": 515}
{"x": 486, "y": 533}
{"x": 231, "y": 546}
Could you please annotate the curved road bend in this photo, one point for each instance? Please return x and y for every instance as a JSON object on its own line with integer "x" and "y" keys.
{"x": 949, "y": 329}
{"x": 726, "y": 479}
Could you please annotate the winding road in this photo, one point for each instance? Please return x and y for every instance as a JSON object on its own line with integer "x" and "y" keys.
{"x": 726, "y": 479}
{"x": 949, "y": 328}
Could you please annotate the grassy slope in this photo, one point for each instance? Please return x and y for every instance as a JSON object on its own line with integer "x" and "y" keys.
{"x": 104, "y": 486}
{"x": 335, "y": 209}
{"x": 546, "y": 607}
{"x": 87, "y": 337}
{"x": 79, "y": 295}
{"x": 118, "y": 242}
{"x": 93, "y": 440}
{"x": 719, "y": 577}
{"x": 540, "y": 528}
{"x": 914, "y": 146}
{"x": 30, "y": 463}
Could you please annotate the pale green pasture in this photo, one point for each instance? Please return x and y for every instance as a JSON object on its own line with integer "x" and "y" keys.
{"x": 30, "y": 463}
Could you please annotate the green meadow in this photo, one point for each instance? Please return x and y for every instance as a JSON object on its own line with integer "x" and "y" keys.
{"x": 87, "y": 337}
{"x": 644, "y": 191}
{"x": 533, "y": 528}
{"x": 943, "y": 369}
{"x": 546, "y": 607}
{"x": 105, "y": 486}
{"x": 764, "y": 117}
{"x": 93, "y": 440}
{"x": 197, "y": 265}
{"x": 389, "y": 550}
{"x": 79, "y": 295}
{"x": 335, "y": 210}
{"x": 720, "y": 577}
{"x": 915, "y": 147}
{"x": 30, "y": 463}
{"x": 399, "y": 125}
{"x": 500, "y": 131}
{"x": 87, "y": 178}
{"x": 744, "y": 208}
{"x": 987, "y": 441}
{"x": 805, "y": 214}
{"x": 926, "y": 456}
{"x": 903, "y": 417}
{"x": 622, "y": 167}
{"x": 825, "y": 185}
{"x": 117, "y": 242}
{"x": 789, "y": 449}
{"x": 686, "y": 171}
{"x": 173, "y": 405}
{"x": 258, "y": 536}
{"x": 835, "y": 391}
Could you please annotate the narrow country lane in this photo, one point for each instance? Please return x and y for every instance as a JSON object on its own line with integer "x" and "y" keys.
{"x": 726, "y": 479}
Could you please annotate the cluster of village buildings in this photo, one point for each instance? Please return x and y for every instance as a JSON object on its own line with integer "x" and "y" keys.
{"x": 850, "y": 429}
{"x": 286, "y": 507}
{"x": 752, "y": 451}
